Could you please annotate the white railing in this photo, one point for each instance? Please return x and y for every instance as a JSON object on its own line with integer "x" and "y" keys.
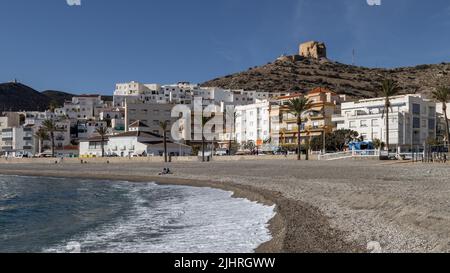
{"x": 350, "y": 154}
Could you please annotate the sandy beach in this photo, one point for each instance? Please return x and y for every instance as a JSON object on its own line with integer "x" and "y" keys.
{"x": 337, "y": 206}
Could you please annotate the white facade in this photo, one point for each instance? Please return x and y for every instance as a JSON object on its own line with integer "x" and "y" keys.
{"x": 182, "y": 93}
{"x": 253, "y": 122}
{"x": 17, "y": 141}
{"x": 37, "y": 118}
{"x": 82, "y": 107}
{"x": 131, "y": 144}
{"x": 412, "y": 120}
{"x": 88, "y": 129}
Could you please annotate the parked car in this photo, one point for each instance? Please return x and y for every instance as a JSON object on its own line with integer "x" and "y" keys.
{"x": 43, "y": 155}
{"x": 207, "y": 153}
{"x": 221, "y": 152}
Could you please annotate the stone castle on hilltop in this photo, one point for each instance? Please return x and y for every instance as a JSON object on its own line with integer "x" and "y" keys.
{"x": 312, "y": 49}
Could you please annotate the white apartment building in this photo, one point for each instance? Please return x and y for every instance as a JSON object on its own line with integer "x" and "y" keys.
{"x": 17, "y": 141}
{"x": 182, "y": 93}
{"x": 412, "y": 120}
{"x": 88, "y": 128}
{"x": 253, "y": 123}
{"x": 82, "y": 107}
{"x": 37, "y": 118}
{"x": 135, "y": 92}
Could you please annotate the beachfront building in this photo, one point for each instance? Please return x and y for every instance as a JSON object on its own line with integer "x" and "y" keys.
{"x": 412, "y": 120}
{"x": 317, "y": 121}
{"x": 138, "y": 142}
{"x": 253, "y": 123}
{"x": 62, "y": 135}
{"x": 17, "y": 141}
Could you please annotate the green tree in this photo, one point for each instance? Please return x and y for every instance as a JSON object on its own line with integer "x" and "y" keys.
{"x": 50, "y": 127}
{"x": 389, "y": 88}
{"x": 41, "y": 134}
{"x": 442, "y": 95}
{"x": 298, "y": 107}
{"x": 378, "y": 144}
{"x": 102, "y": 131}
{"x": 335, "y": 141}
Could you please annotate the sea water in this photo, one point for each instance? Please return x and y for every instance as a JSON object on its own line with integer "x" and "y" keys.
{"x": 40, "y": 214}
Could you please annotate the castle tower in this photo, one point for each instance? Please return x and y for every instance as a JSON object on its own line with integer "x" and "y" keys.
{"x": 313, "y": 49}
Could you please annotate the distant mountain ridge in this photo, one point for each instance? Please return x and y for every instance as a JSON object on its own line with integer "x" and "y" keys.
{"x": 19, "y": 97}
{"x": 288, "y": 74}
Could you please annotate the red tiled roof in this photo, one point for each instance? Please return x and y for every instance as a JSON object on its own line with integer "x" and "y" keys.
{"x": 320, "y": 90}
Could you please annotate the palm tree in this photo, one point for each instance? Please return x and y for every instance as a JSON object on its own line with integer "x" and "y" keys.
{"x": 442, "y": 95}
{"x": 41, "y": 134}
{"x": 389, "y": 88}
{"x": 50, "y": 127}
{"x": 298, "y": 107}
{"x": 164, "y": 125}
{"x": 102, "y": 131}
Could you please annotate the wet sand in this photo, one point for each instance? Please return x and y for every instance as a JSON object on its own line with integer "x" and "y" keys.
{"x": 321, "y": 206}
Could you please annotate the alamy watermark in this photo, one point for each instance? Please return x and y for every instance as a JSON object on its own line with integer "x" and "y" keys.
{"x": 373, "y": 2}
{"x": 73, "y": 2}
{"x": 78, "y": 2}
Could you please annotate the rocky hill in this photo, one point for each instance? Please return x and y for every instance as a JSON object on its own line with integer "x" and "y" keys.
{"x": 19, "y": 97}
{"x": 300, "y": 74}
{"x": 58, "y": 97}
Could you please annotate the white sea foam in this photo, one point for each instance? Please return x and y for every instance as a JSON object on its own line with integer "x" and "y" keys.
{"x": 191, "y": 219}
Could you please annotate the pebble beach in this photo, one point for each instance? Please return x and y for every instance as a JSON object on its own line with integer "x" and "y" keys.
{"x": 333, "y": 206}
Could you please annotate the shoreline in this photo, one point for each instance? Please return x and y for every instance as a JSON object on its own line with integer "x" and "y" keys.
{"x": 297, "y": 227}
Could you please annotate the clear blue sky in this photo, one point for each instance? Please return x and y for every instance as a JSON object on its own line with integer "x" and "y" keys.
{"x": 87, "y": 49}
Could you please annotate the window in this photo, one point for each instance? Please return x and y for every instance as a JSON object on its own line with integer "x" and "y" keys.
{"x": 416, "y": 123}
{"x": 431, "y": 111}
{"x": 352, "y": 124}
{"x": 364, "y": 123}
{"x": 375, "y": 123}
{"x": 431, "y": 124}
{"x": 416, "y": 109}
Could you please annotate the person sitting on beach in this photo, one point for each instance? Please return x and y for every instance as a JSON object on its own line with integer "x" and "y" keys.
{"x": 165, "y": 171}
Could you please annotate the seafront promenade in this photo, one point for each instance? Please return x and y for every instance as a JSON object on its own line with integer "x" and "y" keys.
{"x": 337, "y": 206}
